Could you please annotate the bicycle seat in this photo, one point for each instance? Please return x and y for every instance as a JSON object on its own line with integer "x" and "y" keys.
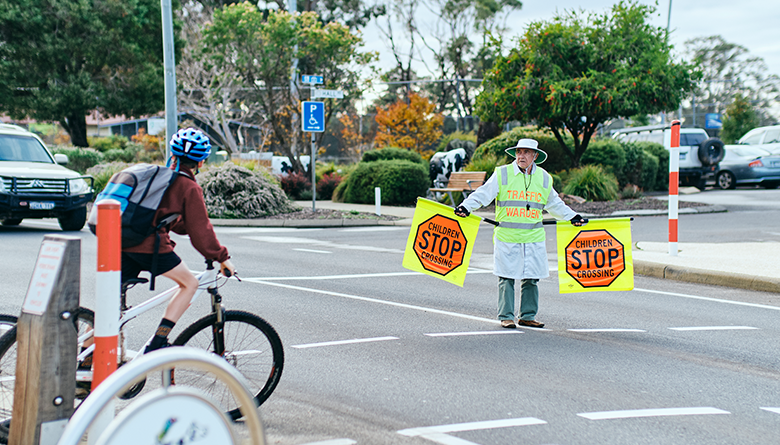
{"x": 132, "y": 282}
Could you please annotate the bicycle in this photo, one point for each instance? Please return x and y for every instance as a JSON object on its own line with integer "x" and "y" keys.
{"x": 245, "y": 340}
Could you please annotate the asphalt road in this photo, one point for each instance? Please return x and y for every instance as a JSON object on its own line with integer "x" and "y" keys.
{"x": 376, "y": 354}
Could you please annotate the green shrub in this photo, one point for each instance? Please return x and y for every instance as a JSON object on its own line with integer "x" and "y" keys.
{"x": 338, "y": 193}
{"x": 401, "y": 182}
{"x": 557, "y": 182}
{"x": 388, "y": 153}
{"x": 631, "y": 191}
{"x": 641, "y": 167}
{"x": 593, "y": 183}
{"x": 295, "y": 185}
{"x": 557, "y": 159}
{"x": 609, "y": 153}
{"x": 486, "y": 163}
{"x": 658, "y": 150}
{"x": 79, "y": 159}
{"x": 231, "y": 191}
{"x": 128, "y": 155}
{"x": 113, "y": 142}
{"x": 458, "y": 135}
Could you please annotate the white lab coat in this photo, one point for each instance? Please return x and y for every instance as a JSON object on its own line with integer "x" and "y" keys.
{"x": 514, "y": 260}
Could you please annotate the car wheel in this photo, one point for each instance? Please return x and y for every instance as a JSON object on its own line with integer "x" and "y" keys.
{"x": 726, "y": 181}
{"x": 73, "y": 220}
{"x": 711, "y": 151}
{"x": 12, "y": 221}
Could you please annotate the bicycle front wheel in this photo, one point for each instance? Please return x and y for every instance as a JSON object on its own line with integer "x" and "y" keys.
{"x": 248, "y": 342}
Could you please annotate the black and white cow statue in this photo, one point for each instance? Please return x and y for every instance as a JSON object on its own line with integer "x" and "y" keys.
{"x": 444, "y": 163}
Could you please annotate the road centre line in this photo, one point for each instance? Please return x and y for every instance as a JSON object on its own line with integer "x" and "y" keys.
{"x": 771, "y": 410}
{"x": 712, "y": 328}
{"x": 462, "y": 334}
{"x": 607, "y": 330}
{"x": 313, "y": 251}
{"x": 374, "y": 300}
{"x": 716, "y": 300}
{"x": 365, "y": 275}
{"x": 471, "y": 426}
{"x": 658, "y": 412}
{"x": 343, "y": 342}
{"x": 319, "y": 243}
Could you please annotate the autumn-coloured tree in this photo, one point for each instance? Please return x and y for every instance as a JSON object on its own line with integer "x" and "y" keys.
{"x": 413, "y": 126}
{"x": 355, "y": 141}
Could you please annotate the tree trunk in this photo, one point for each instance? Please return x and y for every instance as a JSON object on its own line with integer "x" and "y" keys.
{"x": 76, "y": 126}
{"x": 487, "y": 131}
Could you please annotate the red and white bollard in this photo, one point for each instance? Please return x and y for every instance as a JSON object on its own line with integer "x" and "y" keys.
{"x": 108, "y": 291}
{"x": 674, "y": 180}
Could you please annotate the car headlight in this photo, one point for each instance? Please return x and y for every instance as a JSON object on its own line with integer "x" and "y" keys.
{"x": 78, "y": 186}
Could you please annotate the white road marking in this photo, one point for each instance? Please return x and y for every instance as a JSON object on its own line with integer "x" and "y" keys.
{"x": 313, "y": 251}
{"x": 659, "y": 412}
{"x": 375, "y": 229}
{"x": 471, "y": 426}
{"x": 343, "y": 342}
{"x": 772, "y": 410}
{"x": 712, "y": 328}
{"x": 374, "y": 300}
{"x": 715, "y": 300}
{"x": 319, "y": 243}
{"x": 362, "y": 275}
{"x": 607, "y": 330}
{"x": 463, "y": 334}
{"x": 445, "y": 439}
{"x": 333, "y": 442}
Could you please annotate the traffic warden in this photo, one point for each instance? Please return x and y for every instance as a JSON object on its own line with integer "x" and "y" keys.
{"x": 522, "y": 190}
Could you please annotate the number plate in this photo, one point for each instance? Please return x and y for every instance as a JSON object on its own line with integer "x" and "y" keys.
{"x": 41, "y": 205}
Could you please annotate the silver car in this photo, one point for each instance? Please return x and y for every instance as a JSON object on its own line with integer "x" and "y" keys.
{"x": 747, "y": 165}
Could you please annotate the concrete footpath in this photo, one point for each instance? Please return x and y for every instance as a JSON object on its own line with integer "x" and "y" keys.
{"x": 723, "y": 264}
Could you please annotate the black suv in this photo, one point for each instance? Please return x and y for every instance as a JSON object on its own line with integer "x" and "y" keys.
{"x": 33, "y": 184}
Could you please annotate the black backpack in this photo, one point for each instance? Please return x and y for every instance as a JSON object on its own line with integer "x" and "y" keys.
{"x": 139, "y": 189}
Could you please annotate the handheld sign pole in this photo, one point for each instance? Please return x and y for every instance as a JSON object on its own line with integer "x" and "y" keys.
{"x": 674, "y": 173}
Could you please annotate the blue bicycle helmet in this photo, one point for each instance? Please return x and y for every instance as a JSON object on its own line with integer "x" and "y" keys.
{"x": 191, "y": 143}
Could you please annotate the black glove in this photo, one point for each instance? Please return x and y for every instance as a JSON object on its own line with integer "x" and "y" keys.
{"x": 578, "y": 220}
{"x": 462, "y": 211}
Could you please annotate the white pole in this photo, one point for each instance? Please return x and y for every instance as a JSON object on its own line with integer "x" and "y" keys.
{"x": 674, "y": 178}
{"x": 378, "y": 200}
{"x": 169, "y": 65}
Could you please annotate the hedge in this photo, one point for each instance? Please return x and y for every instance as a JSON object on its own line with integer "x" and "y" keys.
{"x": 557, "y": 159}
{"x": 401, "y": 182}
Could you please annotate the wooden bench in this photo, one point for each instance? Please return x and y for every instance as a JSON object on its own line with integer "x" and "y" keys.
{"x": 464, "y": 182}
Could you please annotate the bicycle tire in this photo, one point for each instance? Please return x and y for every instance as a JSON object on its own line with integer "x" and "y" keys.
{"x": 8, "y": 367}
{"x": 251, "y": 345}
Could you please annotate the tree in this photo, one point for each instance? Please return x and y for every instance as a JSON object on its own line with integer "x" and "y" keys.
{"x": 580, "y": 69}
{"x": 260, "y": 46}
{"x": 728, "y": 71}
{"x": 61, "y": 59}
{"x": 740, "y": 117}
{"x": 413, "y": 126}
{"x": 215, "y": 96}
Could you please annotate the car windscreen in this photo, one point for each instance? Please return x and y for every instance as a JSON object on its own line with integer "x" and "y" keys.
{"x": 22, "y": 149}
{"x": 692, "y": 139}
{"x": 749, "y": 152}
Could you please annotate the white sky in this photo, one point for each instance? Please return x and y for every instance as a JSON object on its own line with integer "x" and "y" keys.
{"x": 754, "y": 24}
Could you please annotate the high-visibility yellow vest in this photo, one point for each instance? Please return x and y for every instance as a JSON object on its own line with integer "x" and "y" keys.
{"x": 519, "y": 205}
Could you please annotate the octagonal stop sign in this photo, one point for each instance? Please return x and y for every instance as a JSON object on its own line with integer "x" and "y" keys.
{"x": 595, "y": 258}
{"x": 440, "y": 244}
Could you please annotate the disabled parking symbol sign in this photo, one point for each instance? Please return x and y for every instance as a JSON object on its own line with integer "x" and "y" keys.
{"x": 313, "y": 116}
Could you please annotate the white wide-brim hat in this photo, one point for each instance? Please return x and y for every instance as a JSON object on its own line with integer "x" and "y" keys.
{"x": 528, "y": 143}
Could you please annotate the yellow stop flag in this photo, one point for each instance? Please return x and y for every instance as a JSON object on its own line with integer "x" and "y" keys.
{"x": 595, "y": 257}
{"x": 440, "y": 243}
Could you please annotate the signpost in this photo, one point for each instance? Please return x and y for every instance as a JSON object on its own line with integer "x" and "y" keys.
{"x": 311, "y": 79}
{"x": 314, "y": 122}
{"x": 326, "y": 94}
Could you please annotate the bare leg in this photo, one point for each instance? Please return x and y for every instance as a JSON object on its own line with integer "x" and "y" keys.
{"x": 188, "y": 285}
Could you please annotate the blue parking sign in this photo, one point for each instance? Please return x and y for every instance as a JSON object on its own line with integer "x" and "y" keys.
{"x": 313, "y": 116}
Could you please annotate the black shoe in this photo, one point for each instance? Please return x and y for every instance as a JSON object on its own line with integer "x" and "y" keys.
{"x": 149, "y": 348}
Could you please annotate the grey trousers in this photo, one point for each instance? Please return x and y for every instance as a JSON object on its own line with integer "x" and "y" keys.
{"x": 529, "y": 299}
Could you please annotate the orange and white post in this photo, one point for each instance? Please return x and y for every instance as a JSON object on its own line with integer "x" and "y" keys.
{"x": 108, "y": 290}
{"x": 674, "y": 180}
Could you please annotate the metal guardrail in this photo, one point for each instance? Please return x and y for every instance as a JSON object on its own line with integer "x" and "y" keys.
{"x": 163, "y": 360}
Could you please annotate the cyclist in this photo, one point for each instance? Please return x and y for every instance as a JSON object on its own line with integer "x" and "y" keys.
{"x": 189, "y": 149}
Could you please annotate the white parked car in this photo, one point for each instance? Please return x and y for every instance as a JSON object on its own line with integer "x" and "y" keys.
{"x": 766, "y": 138}
{"x": 34, "y": 184}
{"x": 699, "y": 153}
